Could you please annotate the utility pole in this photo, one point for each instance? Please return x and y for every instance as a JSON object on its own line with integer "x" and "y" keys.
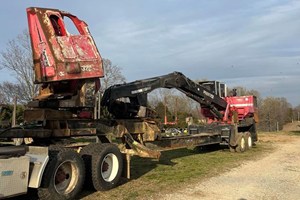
{"x": 14, "y": 114}
{"x": 176, "y": 118}
{"x": 96, "y": 110}
{"x": 99, "y": 105}
{"x": 269, "y": 122}
{"x": 165, "y": 119}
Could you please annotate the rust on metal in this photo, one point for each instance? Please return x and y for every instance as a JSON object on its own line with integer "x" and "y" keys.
{"x": 138, "y": 148}
{"x": 58, "y": 55}
{"x": 184, "y": 141}
{"x": 46, "y": 114}
{"x": 148, "y": 129}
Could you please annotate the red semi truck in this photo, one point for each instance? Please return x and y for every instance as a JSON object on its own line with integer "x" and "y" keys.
{"x": 68, "y": 68}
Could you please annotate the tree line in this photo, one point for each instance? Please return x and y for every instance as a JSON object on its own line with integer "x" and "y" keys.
{"x": 273, "y": 112}
{"x": 17, "y": 61}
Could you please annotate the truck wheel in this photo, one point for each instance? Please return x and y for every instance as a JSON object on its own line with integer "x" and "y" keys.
{"x": 249, "y": 140}
{"x": 64, "y": 175}
{"x": 86, "y": 154}
{"x": 241, "y": 144}
{"x": 106, "y": 165}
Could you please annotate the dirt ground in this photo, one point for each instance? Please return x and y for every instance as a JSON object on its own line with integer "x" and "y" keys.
{"x": 294, "y": 126}
{"x": 275, "y": 176}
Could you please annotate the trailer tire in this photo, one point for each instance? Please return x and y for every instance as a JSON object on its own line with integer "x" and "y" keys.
{"x": 105, "y": 163}
{"x": 64, "y": 175}
{"x": 241, "y": 147}
{"x": 249, "y": 141}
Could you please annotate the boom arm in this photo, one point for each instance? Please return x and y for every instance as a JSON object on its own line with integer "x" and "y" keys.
{"x": 137, "y": 93}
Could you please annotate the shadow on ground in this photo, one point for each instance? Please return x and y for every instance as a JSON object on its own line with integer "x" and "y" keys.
{"x": 140, "y": 167}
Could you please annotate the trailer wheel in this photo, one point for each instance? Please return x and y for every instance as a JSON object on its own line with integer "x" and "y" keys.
{"x": 249, "y": 141}
{"x": 106, "y": 165}
{"x": 64, "y": 175}
{"x": 241, "y": 144}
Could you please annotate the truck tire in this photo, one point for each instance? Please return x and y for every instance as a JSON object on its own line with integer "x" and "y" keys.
{"x": 86, "y": 154}
{"x": 241, "y": 147}
{"x": 249, "y": 141}
{"x": 105, "y": 164}
{"x": 64, "y": 175}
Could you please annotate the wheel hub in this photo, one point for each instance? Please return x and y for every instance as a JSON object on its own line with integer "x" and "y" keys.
{"x": 61, "y": 176}
{"x": 105, "y": 166}
{"x": 66, "y": 177}
{"x": 109, "y": 167}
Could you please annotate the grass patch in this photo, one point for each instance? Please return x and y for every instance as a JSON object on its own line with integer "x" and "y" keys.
{"x": 177, "y": 168}
{"x": 132, "y": 195}
{"x": 297, "y": 133}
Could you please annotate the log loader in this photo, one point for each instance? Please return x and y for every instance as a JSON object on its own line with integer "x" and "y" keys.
{"x": 68, "y": 68}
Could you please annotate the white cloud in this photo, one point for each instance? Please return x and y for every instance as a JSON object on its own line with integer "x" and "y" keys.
{"x": 252, "y": 41}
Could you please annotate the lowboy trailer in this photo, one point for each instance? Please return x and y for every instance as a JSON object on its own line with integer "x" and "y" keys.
{"x": 68, "y": 68}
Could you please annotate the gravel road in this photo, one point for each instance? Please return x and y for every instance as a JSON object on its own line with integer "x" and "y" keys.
{"x": 276, "y": 176}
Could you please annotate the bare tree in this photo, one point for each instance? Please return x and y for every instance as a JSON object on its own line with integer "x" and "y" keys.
{"x": 113, "y": 75}
{"x": 9, "y": 91}
{"x": 175, "y": 102}
{"x": 274, "y": 112}
{"x": 296, "y": 113}
{"x": 17, "y": 58}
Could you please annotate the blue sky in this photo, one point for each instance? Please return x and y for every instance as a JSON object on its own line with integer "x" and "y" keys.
{"x": 254, "y": 44}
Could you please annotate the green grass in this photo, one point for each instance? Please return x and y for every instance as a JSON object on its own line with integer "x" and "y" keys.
{"x": 184, "y": 165}
{"x": 177, "y": 168}
{"x": 295, "y": 133}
